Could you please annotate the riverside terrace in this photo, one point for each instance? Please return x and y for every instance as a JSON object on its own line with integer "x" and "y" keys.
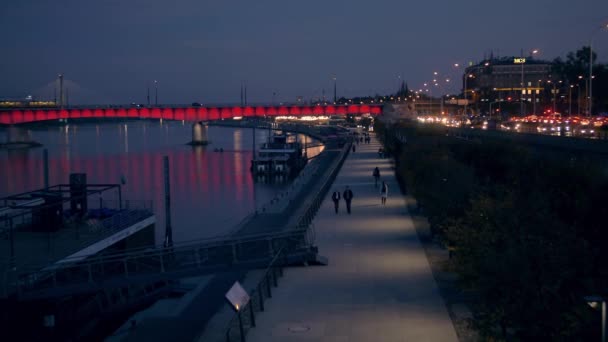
{"x": 46, "y": 226}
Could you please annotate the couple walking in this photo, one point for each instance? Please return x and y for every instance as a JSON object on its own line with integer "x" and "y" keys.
{"x": 347, "y": 195}
{"x": 383, "y": 188}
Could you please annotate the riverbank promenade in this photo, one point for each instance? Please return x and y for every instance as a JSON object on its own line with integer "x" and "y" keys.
{"x": 378, "y": 285}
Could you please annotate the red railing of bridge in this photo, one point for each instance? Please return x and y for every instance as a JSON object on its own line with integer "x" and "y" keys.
{"x": 187, "y": 113}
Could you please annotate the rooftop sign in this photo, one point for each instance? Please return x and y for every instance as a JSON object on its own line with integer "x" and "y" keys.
{"x": 519, "y": 60}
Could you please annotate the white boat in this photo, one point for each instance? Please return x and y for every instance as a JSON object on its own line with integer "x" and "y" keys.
{"x": 279, "y": 156}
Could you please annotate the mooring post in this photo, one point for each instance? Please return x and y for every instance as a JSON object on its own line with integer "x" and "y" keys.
{"x": 45, "y": 158}
{"x": 168, "y": 229}
{"x": 255, "y": 201}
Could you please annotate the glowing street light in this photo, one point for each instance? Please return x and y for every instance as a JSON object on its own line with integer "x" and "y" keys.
{"x": 522, "y": 61}
{"x": 595, "y": 302}
{"x": 156, "y": 93}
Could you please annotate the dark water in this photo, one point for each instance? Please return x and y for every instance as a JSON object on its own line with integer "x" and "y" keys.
{"x": 211, "y": 191}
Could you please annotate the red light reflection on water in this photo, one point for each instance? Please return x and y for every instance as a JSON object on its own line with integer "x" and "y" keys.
{"x": 203, "y": 183}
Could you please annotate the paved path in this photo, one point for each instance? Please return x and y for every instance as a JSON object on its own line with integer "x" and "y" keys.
{"x": 378, "y": 285}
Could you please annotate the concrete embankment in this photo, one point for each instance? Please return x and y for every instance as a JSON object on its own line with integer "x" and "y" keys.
{"x": 203, "y": 310}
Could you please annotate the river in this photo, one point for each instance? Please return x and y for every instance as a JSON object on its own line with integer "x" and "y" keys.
{"x": 211, "y": 191}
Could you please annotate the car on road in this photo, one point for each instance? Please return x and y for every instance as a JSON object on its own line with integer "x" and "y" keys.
{"x": 586, "y": 131}
{"x": 510, "y": 126}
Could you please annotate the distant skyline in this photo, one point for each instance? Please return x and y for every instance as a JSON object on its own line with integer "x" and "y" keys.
{"x": 201, "y": 51}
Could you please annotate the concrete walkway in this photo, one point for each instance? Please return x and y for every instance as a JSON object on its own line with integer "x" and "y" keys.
{"x": 378, "y": 285}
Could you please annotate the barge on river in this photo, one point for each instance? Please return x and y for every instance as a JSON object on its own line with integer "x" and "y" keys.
{"x": 279, "y": 156}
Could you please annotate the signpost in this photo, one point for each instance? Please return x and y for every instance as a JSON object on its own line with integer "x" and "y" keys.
{"x": 238, "y": 298}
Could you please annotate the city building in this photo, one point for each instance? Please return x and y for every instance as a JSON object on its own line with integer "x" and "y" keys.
{"x": 500, "y": 80}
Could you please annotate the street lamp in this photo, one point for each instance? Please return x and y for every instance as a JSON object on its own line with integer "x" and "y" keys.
{"x": 594, "y": 302}
{"x": 335, "y": 93}
{"x": 554, "y": 94}
{"x": 591, "y": 65}
{"x": 466, "y": 101}
{"x": 156, "y": 93}
{"x": 522, "y": 61}
{"x": 570, "y": 99}
{"x": 491, "y": 103}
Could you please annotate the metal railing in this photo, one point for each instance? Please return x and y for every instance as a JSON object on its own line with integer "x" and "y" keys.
{"x": 244, "y": 319}
{"x": 305, "y": 220}
{"x": 148, "y": 265}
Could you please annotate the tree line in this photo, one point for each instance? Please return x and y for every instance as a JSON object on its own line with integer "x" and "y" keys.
{"x": 527, "y": 227}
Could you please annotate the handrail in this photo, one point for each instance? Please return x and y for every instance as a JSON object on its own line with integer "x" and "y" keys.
{"x": 257, "y": 296}
{"x": 306, "y": 218}
{"x": 143, "y": 251}
{"x": 156, "y": 263}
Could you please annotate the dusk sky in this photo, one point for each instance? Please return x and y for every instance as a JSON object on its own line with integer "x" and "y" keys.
{"x": 202, "y": 50}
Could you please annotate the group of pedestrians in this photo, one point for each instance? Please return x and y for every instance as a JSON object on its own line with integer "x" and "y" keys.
{"x": 348, "y": 198}
{"x": 383, "y": 188}
{"x": 347, "y": 195}
{"x": 364, "y": 138}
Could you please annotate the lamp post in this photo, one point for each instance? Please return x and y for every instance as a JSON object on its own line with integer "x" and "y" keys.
{"x": 335, "y": 93}
{"x": 156, "y": 93}
{"x": 491, "y": 103}
{"x": 554, "y": 94}
{"x": 594, "y": 302}
{"x": 437, "y": 83}
{"x": 591, "y": 65}
{"x": 522, "y": 61}
{"x": 578, "y": 99}
{"x": 426, "y": 89}
{"x": 570, "y": 100}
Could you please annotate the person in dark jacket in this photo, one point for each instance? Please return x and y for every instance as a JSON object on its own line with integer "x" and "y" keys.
{"x": 336, "y": 198}
{"x": 348, "y": 197}
{"x": 376, "y": 175}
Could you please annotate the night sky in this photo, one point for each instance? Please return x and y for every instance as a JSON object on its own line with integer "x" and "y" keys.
{"x": 202, "y": 50}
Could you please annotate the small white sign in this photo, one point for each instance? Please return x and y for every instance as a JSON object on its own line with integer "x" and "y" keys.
{"x": 237, "y": 296}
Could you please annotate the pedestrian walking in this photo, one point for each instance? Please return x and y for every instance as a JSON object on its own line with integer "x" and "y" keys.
{"x": 348, "y": 197}
{"x": 353, "y": 148}
{"x": 336, "y": 198}
{"x": 376, "y": 175}
{"x": 384, "y": 192}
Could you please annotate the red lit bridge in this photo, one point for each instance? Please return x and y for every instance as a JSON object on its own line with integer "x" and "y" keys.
{"x": 195, "y": 114}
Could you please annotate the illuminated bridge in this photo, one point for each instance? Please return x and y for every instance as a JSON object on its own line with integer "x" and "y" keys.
{"x": 194, "y": 114}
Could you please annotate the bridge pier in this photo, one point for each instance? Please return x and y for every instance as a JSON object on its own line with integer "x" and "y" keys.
{"x": 199, "y": 134}
{"x": 17, "y": 137}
